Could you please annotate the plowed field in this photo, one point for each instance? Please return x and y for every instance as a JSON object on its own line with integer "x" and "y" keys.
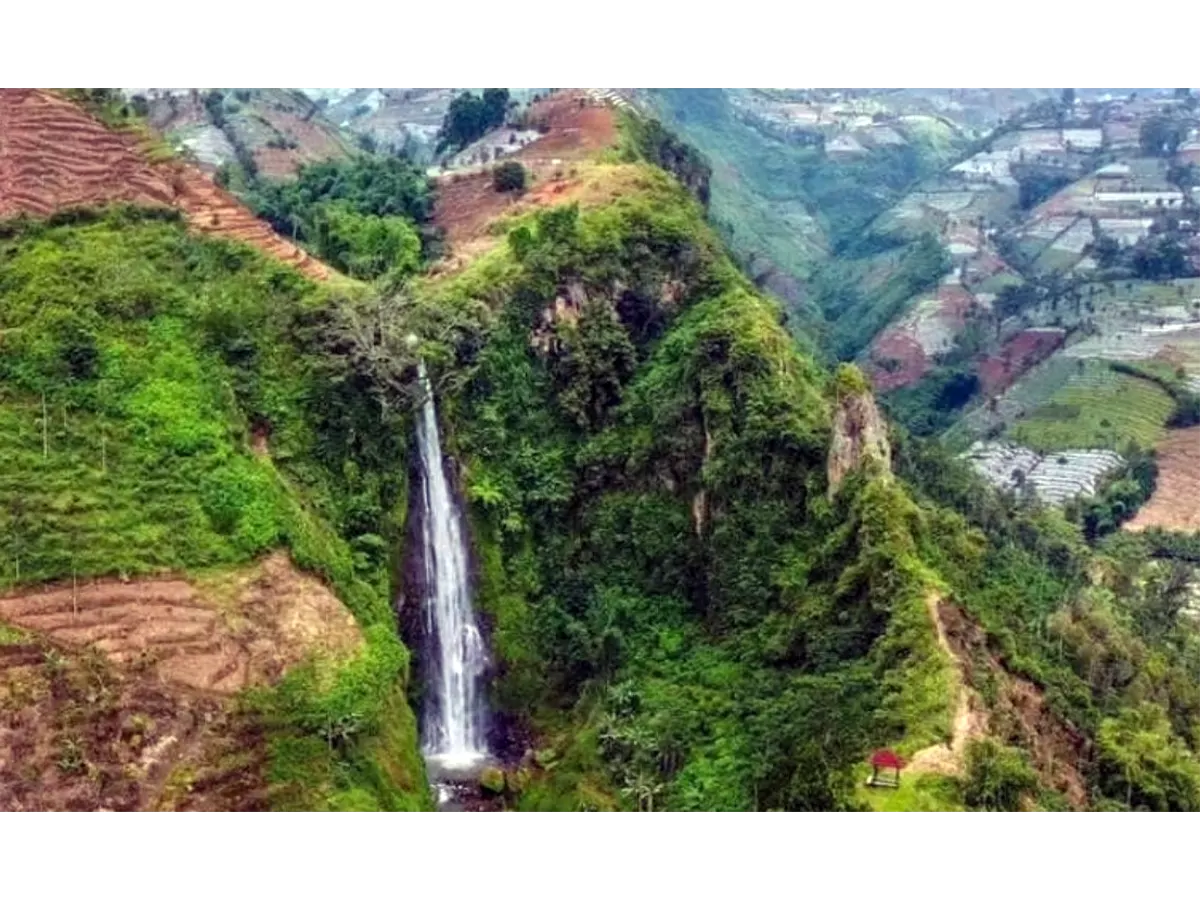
{"x": 54, "y": 156}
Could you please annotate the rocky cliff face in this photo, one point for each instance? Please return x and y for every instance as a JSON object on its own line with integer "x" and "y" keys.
{"x": 859, "y": 432}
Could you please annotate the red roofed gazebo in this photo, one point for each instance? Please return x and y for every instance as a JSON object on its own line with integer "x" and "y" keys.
{"x": 885, "y": 769}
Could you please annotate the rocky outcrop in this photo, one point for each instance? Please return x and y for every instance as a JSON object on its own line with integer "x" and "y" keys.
{"x": 859, "y": 432}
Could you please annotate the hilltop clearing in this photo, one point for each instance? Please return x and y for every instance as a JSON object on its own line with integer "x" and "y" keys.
{"x": 576, "y": 128}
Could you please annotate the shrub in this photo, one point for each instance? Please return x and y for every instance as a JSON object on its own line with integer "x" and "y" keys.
{"x": 997, "y": 776}
{"x": 509, "y": 176}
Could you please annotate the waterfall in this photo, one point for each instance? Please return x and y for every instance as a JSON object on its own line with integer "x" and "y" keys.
{"x": 454, "y": 714}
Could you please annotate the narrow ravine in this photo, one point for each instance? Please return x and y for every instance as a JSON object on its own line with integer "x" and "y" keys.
{"x": 454, "y": 717}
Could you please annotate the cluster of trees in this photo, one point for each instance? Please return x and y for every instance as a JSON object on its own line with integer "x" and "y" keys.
{"x": 364, "y": 216}
{"x": 857, "y": 313}
{"x": 649, "y": 140}
{"x": 1160, "y": 257}
{"x": 1121, "y": 497}
{"x": 1157, "y": 257}
{"x": 1036, "y": 184}
{"x": 471, "y": 116}
{"x": 930, "y": 406}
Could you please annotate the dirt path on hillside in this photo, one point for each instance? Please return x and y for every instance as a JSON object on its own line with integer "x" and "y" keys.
{"x": 970, "y": 718}
{"x": 1019, "y": 714}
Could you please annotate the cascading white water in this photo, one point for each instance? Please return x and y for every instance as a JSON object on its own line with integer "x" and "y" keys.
{"x": 454, "y": 716}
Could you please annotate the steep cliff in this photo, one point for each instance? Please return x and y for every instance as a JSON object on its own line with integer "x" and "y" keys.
{"x": 859, "y": 431}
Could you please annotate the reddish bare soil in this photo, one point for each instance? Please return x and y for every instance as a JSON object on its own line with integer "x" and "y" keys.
{"x": 119, "y": 695}
{"x": 1019, "y": 354}
{"x": 54, "y": 155}
{"x": 1020, "y": 715}
{"x": 897, "y": 357}
{"x": 467, "y": 205}
{"x": 313, "y": 143}
{"x": 77, "y": 733}
{"x": 219, "y": 636}
{"x": 217, "y": 213}
{"x": 575, "y": 127}
{"x": 897, "y": 360}
{"x": 1175, "y": 504}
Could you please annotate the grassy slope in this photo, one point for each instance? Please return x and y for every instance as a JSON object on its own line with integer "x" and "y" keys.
{"x": 150, "y": 352}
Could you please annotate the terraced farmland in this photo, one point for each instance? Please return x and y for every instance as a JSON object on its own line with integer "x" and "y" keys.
{"x": 1053, "y": 478}
{"x": 1097, "y": 408}
{"x": 1037, "y": 386}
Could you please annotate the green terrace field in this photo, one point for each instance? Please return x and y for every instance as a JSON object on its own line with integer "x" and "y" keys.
{"x": 1099, "y": 408}
{"x": 1037, "y": 386}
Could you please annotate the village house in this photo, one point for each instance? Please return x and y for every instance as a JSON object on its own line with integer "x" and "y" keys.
{"x": 993, "y": 165}
{"x": 1122, "y": 135}
{"x": 1189, "y": 152}
{"x": 1143, "y": 199}
{"x": 883, "y": 135}
{"x": 1113, "y": 170}
{"x": 1034, "y": 140}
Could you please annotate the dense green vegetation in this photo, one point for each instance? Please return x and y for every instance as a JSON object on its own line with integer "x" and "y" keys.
{"x": 860, "y": 297}
{"x": 684, "y": 614}
{"x": 646, "y": 139}
{"x": 364, "y": 216}
{"x": 136, "y": 362}
{"x": 1102, "y": 630}
{"x": 680, "y": 611}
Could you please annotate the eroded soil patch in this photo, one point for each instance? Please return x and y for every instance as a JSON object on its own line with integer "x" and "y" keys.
{"x": 1019, "y": 713}
{"x": 221, "y": 634}
{"x": 1175, "y": 503}
{"x": 78, "y": 733}
{"x": 121, "y": 695}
